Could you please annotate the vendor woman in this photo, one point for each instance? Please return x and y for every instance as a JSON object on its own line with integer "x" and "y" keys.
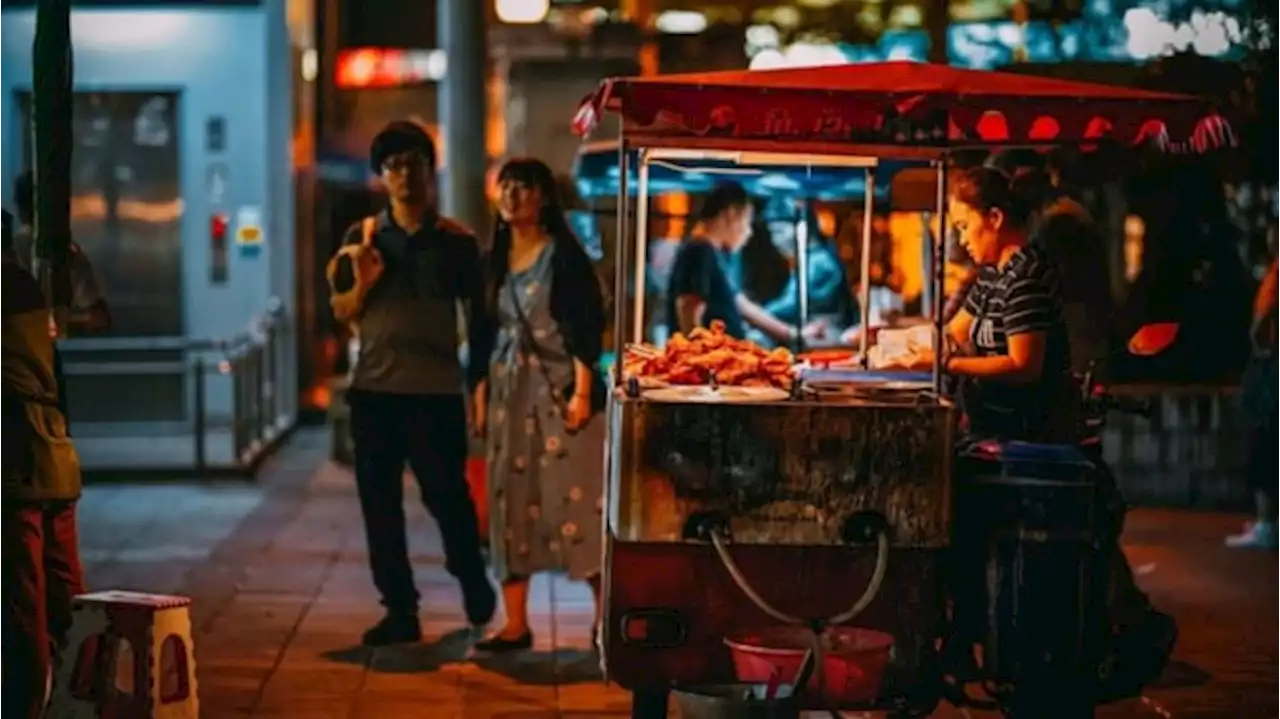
{"x": 1009, "y": 340}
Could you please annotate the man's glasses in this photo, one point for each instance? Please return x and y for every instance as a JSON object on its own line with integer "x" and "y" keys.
{"x": 404, "y": 163}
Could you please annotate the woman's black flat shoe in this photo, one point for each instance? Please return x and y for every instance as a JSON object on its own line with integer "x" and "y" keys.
{"x": 496, "y": 644}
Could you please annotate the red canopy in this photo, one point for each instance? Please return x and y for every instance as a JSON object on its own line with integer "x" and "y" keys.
{"x": 895, "y": 106}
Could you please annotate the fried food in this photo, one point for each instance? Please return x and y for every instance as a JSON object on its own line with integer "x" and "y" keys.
{"x": 709, "y": 355}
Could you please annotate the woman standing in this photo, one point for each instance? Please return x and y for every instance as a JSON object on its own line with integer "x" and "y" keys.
{"x": 542, "y": 400}
{"x": 1259, "y": 392}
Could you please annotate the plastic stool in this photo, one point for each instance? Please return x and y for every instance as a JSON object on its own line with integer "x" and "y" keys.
{"x": 129, "y": 656}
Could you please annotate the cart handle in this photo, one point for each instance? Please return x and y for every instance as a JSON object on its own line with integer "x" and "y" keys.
{"x": 817, "y": 626}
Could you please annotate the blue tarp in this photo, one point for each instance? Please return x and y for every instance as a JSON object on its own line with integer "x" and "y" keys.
{"x": 595, "y": 176}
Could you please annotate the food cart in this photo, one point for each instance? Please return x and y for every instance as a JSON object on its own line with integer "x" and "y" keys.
{"x": 815, "y": 520}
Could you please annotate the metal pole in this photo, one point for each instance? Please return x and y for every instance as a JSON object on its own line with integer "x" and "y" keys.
{"x": 864, "y": 292}
{"x": 939, "y": 278}
{"x": 52, "y": 142}
{"x": 642, "y": 245}
{"x": 272, "y": 374}
{"x": 621, "y": 247}
{"x": 259, "y": 393}
{"x": 198, "y": 428}
{"x": 802, "y": 275}
{"x": 235, "y": 363}
{"x": 461, "y": 111}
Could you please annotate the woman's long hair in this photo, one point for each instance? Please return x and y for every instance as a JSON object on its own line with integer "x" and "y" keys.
{"x": 531, "y": 172}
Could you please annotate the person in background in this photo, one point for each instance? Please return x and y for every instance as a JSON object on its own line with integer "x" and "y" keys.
{"x": 41, "y": 484}
{"x": 830, "y": 297}
{"x": 1072, "y": 241}
{"x": 543, "y": 399}
{"x": 406, "y": 387}
{"x": 89, "y": 311}
{"x": 1259, "y": 394}
{"x": 702, "y": 287}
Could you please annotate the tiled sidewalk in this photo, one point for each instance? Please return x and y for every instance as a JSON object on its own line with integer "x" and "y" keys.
{"x": 282, "y": 593}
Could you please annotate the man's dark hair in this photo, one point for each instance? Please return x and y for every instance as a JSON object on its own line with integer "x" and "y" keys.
{"x": 725, "y": 196}
{"x": 398, "y": 137}
{"x": 24, "y": 196}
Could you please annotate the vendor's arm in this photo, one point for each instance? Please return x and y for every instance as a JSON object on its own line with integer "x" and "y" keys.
{"x": 760, "y": 318}
{"x": 958, "y": 330}
{"x": 1029, "y": 310}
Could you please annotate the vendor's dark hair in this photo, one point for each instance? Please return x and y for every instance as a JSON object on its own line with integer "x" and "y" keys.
{"x": 397, "y": 137}
{"x": 986, "y": 189}
{"x": 725, "y": 196}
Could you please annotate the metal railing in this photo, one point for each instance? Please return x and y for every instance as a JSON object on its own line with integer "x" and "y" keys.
{"x": 235, "y": 389}
{"x": 1190, "y": 453}
{"x": 252, "y": 361}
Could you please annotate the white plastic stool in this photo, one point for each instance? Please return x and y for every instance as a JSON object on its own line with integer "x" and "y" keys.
{"x": 117, "y": 641}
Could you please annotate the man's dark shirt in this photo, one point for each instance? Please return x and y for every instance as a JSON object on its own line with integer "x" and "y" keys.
{"x": 702, "y": 271}
{"x": 1022, "y": 298}
{"x": 409, "y": 324}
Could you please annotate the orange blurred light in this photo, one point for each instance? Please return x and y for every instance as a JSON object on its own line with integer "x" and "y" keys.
{"x": 358, "y": 68}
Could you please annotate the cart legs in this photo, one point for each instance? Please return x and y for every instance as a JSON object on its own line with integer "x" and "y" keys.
{"x": 649, "y": 703}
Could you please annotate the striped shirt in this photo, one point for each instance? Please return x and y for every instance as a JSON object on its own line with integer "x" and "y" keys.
{"x": 1021, "y": 298}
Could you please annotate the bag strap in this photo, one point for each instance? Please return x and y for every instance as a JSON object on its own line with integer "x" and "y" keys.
{"x": 528, "y": 341}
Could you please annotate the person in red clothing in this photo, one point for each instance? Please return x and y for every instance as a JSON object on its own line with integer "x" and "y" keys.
{"x": 41, "y": 483}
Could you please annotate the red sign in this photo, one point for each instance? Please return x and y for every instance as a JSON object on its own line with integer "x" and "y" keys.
{"x": 370, "y": 67}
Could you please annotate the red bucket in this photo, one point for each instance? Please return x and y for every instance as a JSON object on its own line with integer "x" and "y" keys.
{"x": 852, "y": 667}
{"x": 477, "y": 484}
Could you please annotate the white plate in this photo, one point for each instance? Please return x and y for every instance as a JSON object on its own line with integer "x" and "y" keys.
{"x": 704, "y": 393}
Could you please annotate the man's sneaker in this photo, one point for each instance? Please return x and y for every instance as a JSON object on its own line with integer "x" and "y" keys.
{"x": 393, "y": 629}
{"x": 480, "y": 601}
{"x": 1259, "y": 535}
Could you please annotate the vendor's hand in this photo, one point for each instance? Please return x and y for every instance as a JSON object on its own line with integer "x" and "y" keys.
{"x": 922, "y": 358}
{"x": 815, "y": 330}
{"x": 577, "y": 412}
{"x": 479, "y": 409}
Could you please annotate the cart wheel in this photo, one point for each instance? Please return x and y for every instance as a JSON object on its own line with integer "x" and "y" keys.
{"x": 649, "y": 703}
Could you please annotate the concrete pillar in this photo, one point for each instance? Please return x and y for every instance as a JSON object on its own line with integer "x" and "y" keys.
{"x": 461, "y": 111}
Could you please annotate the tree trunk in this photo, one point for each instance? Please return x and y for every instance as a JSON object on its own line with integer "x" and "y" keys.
{"x": 52, "y": 142}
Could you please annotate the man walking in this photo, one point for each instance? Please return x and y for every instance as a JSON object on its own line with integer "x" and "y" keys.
{"x": 399, "y": 280}
{"x": 41, "y": 484}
